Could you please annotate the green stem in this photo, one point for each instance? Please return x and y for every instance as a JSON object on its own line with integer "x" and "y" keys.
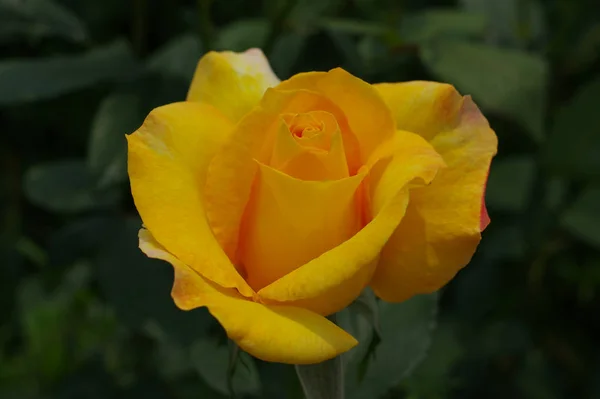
{"x": 323, "y": 380}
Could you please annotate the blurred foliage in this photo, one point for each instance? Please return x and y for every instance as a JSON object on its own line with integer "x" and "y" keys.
{"x": 85, "y": 315}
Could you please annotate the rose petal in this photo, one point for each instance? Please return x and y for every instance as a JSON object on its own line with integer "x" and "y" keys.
{"x": 368, "y": 116}
{"x": 297, "y": 157}
{"x": 442, "y": 226}
{"x": 232, "y": 82}
{"x": 289, "y": 221}
{"x": 330, "y": 282}
{"x": 168, "y": 159}
{"x": 281, "y": 334}
{"x": 233, "y": 169}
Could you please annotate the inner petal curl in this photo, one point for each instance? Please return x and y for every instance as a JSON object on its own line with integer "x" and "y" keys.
{"x": 309, "y": 146}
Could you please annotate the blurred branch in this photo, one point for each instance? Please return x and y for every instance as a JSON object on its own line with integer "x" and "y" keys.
{"x": 206, "y": 27}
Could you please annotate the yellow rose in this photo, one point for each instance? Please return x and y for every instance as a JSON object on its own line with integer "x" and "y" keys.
{"x": 277, "y": 203}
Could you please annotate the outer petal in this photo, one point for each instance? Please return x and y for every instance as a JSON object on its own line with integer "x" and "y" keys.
{"x": 281, "y": 334}
{"x": 233, "y": 169}
{"x": 232, "y": 82}
{"x": 168, "y": 158}
{"x": 330, "y": 282}
{"x": 442, "y": 226}
{"x": 425, "y": 108}
{"x": 368, "y": 116}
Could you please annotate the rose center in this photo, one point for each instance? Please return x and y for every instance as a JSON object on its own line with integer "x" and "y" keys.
{"x": 309, "y": 146}
{"x": 312, "y": 130}
{"x": 304, "y": 125}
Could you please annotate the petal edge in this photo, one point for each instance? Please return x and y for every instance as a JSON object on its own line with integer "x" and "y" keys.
{"x": 232, "y": 82}
{"x": 283, "y": 334}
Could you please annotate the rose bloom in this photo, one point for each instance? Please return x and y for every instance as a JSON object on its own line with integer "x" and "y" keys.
{"x": 277, "y": 203}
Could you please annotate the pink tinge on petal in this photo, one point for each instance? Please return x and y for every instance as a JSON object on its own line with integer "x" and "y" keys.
{"x": 484, "y": 221}
{"x": 484, "y": 218}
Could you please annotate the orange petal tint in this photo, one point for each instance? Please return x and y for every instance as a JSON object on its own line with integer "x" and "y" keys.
{"x": 233, "y": 169}
{"x": 289, "y": 222}
{"x": 368, "y": 116}
{"x": 309, "y": 146}
{"x": 443, "y": 222}
{"x": 282, "y": 334}
{"x": 331, "y": 281}
{"x": 168, "y": 158}
{"x": 484, "y": 220}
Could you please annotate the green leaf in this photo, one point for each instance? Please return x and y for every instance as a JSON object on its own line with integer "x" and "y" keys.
{"x": 172, "y": 359}
{"x": 509, "y": 82}
{"x": 46, "y": 319}
{"x": 118, "y": 114}
{"x": 373, "y": 53}
{"x": 366, "y": 304}
{"x": 31, "y": 251}
{"x": 503, "y": 337}
{"x": 139, "y": 288}
{"x": 572, "y": 148}
{"x": 43, "y": 78}
{"x": 308, "y": 13}
{"x": 536, "y": 377}
{"x": 351, "y": 59}
{"x": 79, "y": 239}
{"x": 211, "y": 361}
{"x": 582, "y": 219}
{"x": 584, "y": 51}
{"x": 12, "y": 267}
{"x": 475, "y": 294}
{"x": 433, "y": 379}
{"x": 242, "y": 35}
{"x": 36, "y": 19}
{"x": 431, "y": 24}
{"x": 359, "y": 326}
{"x": 353, "y": 26}
{"x": 286, "y": 52}
{"x": 66, "y": 186}
{"x": 509, "y": 183}
{"x": 406, "y": 330}
{"x": 323, "y": 380}
{"x": 177, "y": 58}
{"x": 279, "y": 381}
{"x": 234, "y": 357}
{"x": 515, "y": 23}
{"x": 43, "y": 322}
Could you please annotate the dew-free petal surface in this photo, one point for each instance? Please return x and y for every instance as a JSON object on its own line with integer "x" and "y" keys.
{"x": 330, "y": 282}
{"x": 232, "y": 82}
{"x": 444, "y": 220}
{"x": 289, "y": 222}
{"x": 281, "y": 334}
{"x": 167, "y": 161}
{"x": 233, "y": 169}
{"x": 368, "y": 116}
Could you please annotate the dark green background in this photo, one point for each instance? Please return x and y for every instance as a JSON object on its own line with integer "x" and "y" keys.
{"x": 83, "y": 314}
